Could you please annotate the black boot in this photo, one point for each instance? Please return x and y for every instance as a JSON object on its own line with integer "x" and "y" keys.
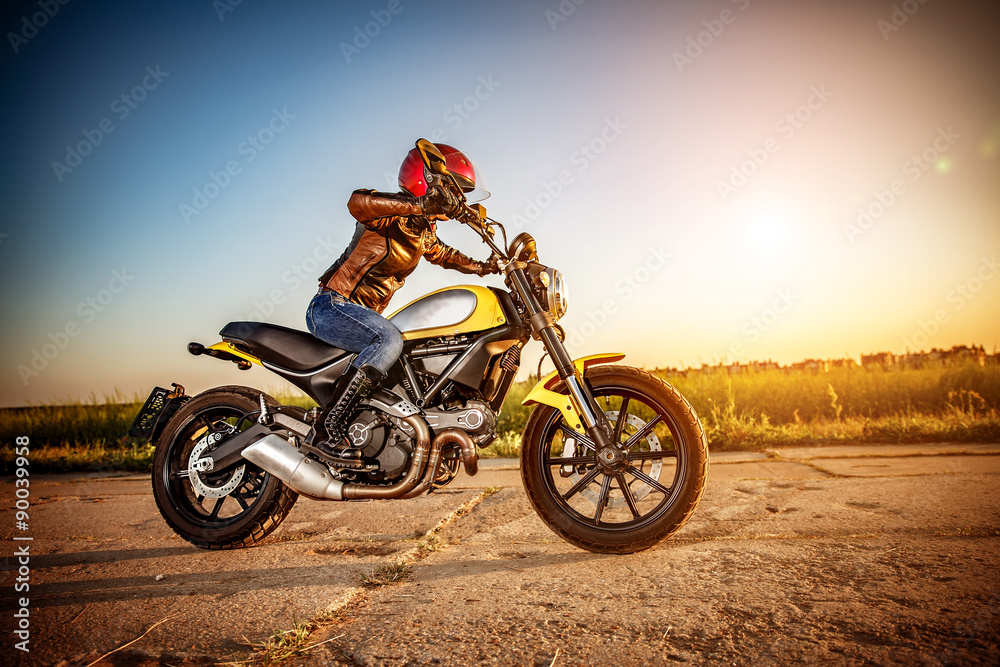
{"x": 355, "y": 385}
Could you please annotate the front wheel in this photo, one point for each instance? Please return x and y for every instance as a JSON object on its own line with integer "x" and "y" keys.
{"x": 635, "y": 504}
{"x": 216, "y": 510}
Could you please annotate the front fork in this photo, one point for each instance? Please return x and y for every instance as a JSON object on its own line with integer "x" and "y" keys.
{"x": 580, "y": 411}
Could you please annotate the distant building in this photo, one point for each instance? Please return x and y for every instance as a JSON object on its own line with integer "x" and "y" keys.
{"x": 812, "y": 366}
{"x": 957, "y": 355}
{"x": 878, "y": 360}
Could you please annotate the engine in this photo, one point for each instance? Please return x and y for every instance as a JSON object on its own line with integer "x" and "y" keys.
{"x": 383, "y": 439}
{"x": 476, "y": 418}
{"x": 389, "y": 441}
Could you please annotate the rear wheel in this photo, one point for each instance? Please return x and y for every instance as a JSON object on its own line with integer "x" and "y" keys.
{"x": 216, "y": 510}
{"x": 632, "y": 505}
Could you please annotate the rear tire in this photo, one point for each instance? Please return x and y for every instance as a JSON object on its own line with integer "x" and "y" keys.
{"x": 629, "y": 510}
{"x": 228, "y": 510}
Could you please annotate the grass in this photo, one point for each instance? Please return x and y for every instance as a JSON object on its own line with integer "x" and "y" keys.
{"x": 784, "y": 397}
{"x": 386, "y": 575}
{"x": 283, "y": 645}
{"x": 748, "y": 411}
{"x": 775, "y": 408}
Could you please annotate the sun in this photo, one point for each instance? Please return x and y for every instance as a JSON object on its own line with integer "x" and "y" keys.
{"x": 769, "y": 227}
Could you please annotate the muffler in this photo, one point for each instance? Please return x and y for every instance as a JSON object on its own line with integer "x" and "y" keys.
{"x": 310, "y": 478}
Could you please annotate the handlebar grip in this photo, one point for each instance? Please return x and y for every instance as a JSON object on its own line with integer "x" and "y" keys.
{"x": 475, "y": 212}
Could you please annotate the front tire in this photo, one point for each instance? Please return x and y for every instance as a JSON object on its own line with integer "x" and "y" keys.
{"x": 627, "y": 510}
{"x": 226, "y": 510}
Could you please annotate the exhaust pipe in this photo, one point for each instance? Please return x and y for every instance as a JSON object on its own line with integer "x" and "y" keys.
{"x": 310, "y": 478}
{"x": 417, "y": 464}
{"x": 470, "y": 455}
{"x": 449, "y": 436}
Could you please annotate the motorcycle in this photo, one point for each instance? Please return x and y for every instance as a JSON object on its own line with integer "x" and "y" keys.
{"x": 613, "y": 458}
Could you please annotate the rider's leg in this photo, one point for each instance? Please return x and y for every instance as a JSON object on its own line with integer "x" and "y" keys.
{"x": 355, "y": 385}
{"x": 378, "y": 344}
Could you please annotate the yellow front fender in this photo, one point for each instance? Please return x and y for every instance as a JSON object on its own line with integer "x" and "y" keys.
{"x": 542, "y": 392}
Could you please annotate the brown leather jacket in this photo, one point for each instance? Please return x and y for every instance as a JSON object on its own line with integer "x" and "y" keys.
{"x": 390, "y": 237}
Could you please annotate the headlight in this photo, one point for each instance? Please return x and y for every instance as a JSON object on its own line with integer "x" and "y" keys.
{"x": 555, "y": 288}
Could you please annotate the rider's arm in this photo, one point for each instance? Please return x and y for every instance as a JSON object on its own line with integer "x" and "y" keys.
{"x": 373, "y": 209}
{"x": 446, "y": 256}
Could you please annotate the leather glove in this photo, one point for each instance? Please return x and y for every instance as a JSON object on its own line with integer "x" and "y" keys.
{"x": 440, "y": 201}
{"x": 492, "y": 265}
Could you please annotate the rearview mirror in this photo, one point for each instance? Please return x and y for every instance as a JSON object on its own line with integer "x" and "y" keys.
{"x": 432, "y": 157}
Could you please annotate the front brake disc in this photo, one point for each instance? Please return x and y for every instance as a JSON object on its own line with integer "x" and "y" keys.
{"x": 639, "y": 489}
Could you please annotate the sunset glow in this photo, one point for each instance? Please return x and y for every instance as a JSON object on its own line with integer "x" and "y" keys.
{"x": 738, "y": 180}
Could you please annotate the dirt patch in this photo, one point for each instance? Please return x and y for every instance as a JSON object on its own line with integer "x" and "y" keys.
{"x": 835, "y": 571}
{"x": 781, "y": 564}
{"x": 358, "y": 549}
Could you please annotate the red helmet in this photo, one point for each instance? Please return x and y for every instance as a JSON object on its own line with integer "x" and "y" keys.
{"x": 412, "y": 178}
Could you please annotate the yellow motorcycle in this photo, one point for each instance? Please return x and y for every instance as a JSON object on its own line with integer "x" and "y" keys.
{"x": 613, "y": 459}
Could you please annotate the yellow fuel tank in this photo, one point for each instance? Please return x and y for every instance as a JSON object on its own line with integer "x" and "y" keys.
{"x": 450, "y": 311}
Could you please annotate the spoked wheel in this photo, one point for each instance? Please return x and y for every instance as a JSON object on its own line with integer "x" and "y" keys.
{"x": 216, "y": 510}
{"x": 619, "y": 506}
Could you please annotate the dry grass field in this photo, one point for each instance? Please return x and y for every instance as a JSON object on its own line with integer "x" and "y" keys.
{"x": 774, "y": 407}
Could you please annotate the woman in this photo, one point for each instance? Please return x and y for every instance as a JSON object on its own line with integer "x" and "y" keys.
{"x": 392, "y": 233}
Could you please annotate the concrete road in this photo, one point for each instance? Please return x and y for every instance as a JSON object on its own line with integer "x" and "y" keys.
{"x": 844, "y": 555}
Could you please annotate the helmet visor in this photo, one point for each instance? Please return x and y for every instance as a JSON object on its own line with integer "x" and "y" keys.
{"x": 480, "y": 191}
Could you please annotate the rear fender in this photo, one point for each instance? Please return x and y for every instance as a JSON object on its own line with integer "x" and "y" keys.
{"x": 225, "y": 351}
{"x": 542, "y": 392}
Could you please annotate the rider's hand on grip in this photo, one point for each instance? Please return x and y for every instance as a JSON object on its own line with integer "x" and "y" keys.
{"x": 440, "y": 200}
{"x": 492, "y": 265}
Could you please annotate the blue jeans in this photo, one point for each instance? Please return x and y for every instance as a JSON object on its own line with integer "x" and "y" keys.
{"x": 355, "y": 328}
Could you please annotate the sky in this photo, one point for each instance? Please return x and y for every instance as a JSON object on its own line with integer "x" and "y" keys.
{"x": 718, "y": 181}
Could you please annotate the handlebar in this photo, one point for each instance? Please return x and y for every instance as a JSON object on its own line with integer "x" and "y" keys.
{"x": 473, "y": 215}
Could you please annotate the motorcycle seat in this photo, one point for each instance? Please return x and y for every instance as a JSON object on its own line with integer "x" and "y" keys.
{"x": 289, "y": 349}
